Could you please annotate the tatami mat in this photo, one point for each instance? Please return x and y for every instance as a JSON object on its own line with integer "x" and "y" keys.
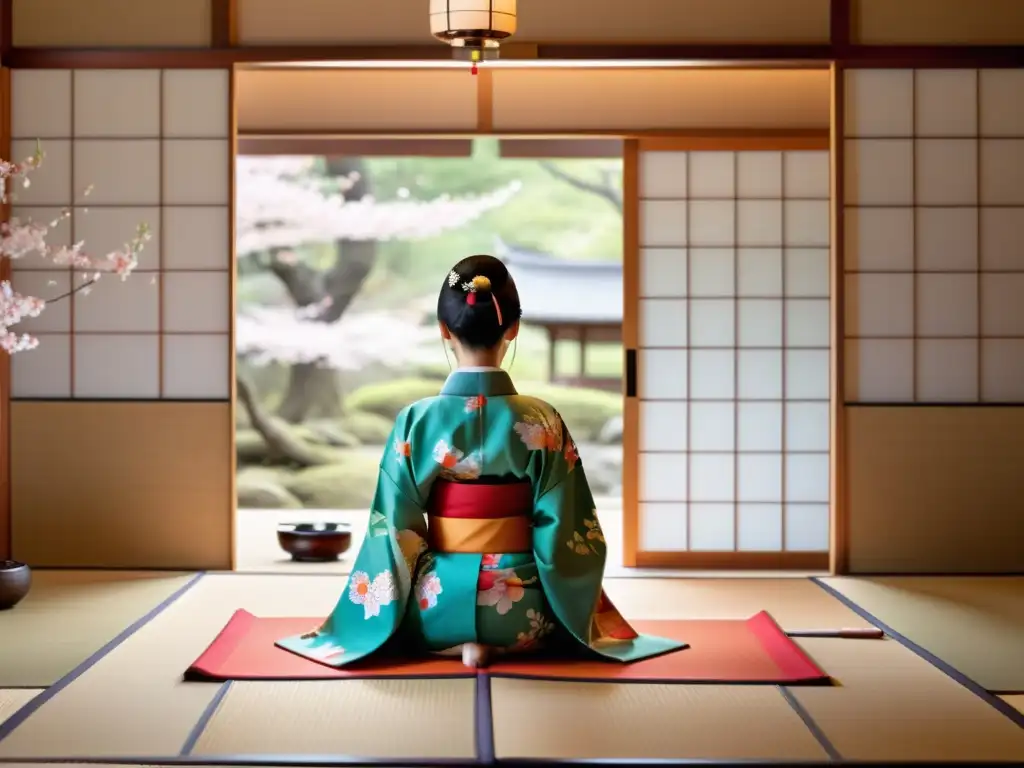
{"x": 892, "y": 705}
{"x": 974, "y": 624}
{"x": 793, "y": 603}
{"x": 534, "y": 719}
{"x": 356, "y": 718}
{"x": 133, "y": 702}
{"x": 69, "y": 615}
{"x": 13, "y": 699}
{"x": 1016, "y": 701}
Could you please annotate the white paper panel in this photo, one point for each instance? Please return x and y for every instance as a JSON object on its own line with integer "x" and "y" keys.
{"x": 196, "y": 172}
{"x": 196, "y": 367}
{"x": 51, "y": 183}
{"x": 1002, "y": 171}
{"x": 107, "y": 229}
{"x": 760, "y": 527}
{"x": 807, "y": 477}
{"x": 807, "y": 527}
{"x": 117, "y": 366}
{"x": 58, "y": 236}
{"x": 663, "y": 374}
{"x": 759, "y": 271}
{"x": 759, "y": 174}
{"x": 880, "y": 370}
{"x": 807, "y": 174}
{"x": 663, "y": 322}
{"x": 663, "y": 426}
{"x": 807, "y": 272}
{"x": 806, "y": 223}
{"x": 807, "y": 426}
{"x": 879, "y": 239}
{"x": 46, "y": 285}
{"x": 947, "y": 239}
{"x": 759, "y": 426}
{"x": 807, "y": 323}
{"x": 196, "y": 103}
{"x": 712, "y": 426}
{"x": 946, "y": 102}
{"x": 807, "y": 374}
{"x": 760, "y": 323}
{"x": 663, "y": 527}
{"x": 946, "y": 172}
{"x": 663, "y": 476}
{"x": 117, "y": 102}
{"x": 663, "y": 174}
{"x": 879, "y": 102}
{"x": 1002, "y": 238}
{"x": 879, "y": 172}
{"x": 947, "y": 305}
{"x": 112, "y": 304}
{"x": 759, "y": 222}
{"x": 879, "y": 305}
{"x": 759, "y": 477}
{"x": 125, "y": 172}
{"x": 712, "y": 478}
{"x": 1002, "y": 374}
{"x": 947, "y": 370}
{"x": 712, "y": 322}
{"x": 40, "y": 104}
{"x": 197, "y": 302}
{"x": 1002, "y": 313}
{"x": 760, "y": 374}
{"x": 197, "y": 238}
{"x": 712, "y": 222}
{"x": 711, "y": 527}
{"x": 712, "y": 175}
{"x": 1002, "y": 109}
{"x": 712, "y": 272}
{"x": 45, "y": 371}
{"x": 712, "y": 374}
{"x": 662, "y": 223}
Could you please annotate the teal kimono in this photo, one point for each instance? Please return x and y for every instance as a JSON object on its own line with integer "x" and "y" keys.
{"x": 435, "y": 588}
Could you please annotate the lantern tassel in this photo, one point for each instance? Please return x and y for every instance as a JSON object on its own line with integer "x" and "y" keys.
{"x": 474, "y": 70}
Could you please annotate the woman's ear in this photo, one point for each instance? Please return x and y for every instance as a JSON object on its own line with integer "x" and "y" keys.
{"x": 445, "y": 333}
{"x": 512, "y": 332}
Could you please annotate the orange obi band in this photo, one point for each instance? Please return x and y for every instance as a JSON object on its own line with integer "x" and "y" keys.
{"x": 480, "y": 518}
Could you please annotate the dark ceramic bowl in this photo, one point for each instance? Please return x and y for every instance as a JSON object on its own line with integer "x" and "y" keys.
{"x": 15, "y": 581}
{"x": 314, "y": 542}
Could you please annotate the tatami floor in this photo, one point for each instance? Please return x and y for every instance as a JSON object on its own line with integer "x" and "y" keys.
{"x": 91, "y": 666}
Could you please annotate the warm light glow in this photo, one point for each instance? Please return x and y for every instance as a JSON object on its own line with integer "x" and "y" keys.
{"x": 525, "y": 64}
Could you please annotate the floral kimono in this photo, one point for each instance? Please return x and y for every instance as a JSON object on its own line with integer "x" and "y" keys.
{"x": 483, "y": 530}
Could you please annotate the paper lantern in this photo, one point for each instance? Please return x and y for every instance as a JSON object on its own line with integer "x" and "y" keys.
{"x": 473, "y": 28}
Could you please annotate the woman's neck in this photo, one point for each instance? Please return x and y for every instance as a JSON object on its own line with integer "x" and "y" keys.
{"x": 488, "y": 358}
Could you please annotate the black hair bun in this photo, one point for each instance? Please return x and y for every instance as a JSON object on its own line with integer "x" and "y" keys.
{"x": 479, "y": 301}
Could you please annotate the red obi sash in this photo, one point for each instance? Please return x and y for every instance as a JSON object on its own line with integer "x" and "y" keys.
{"x": 480, "y": 519}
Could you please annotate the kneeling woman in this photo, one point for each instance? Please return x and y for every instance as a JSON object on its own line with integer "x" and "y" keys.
{"x": 483, "y": 537}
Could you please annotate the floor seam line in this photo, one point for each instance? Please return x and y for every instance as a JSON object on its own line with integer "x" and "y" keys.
{"x": 810, "y": 723}
{"x": 30, "y": 708}
{"x": 946, "y": 668}
{"x": 204, "y": 719}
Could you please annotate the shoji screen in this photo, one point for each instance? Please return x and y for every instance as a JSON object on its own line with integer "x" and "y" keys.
{"x": 154, "y": 147}
{"x": 732, "y": 321}
{"x": 934, "y": 248}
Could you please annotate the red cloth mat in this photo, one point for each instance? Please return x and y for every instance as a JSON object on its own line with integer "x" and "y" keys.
{"x": 755, "y": 650}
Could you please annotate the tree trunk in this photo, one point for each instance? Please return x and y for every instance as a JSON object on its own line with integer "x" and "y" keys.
{"x": 313, "y": 390}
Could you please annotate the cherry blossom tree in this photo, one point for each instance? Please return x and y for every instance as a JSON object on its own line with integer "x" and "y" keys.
{"x": 19, "y": 239}
{"x": 283, "y": 206}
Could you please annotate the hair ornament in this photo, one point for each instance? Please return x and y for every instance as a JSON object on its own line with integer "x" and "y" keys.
{"x": 453, "y": 278}
{"x": 478, "y": 283}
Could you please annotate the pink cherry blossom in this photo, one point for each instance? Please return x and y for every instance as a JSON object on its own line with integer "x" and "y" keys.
{"x": 19, "y": 239}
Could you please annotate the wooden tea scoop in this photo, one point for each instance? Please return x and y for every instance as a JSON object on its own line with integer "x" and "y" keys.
{"x": 852, "y": 633}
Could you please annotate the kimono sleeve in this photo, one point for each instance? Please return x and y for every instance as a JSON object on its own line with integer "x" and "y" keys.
{"x": 373, "y": 603}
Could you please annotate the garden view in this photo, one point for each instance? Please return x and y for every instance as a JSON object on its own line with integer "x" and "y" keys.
{"x": 340, "y": 262}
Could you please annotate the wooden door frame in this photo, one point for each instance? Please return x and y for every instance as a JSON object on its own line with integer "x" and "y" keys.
{"x": 633, "y": 555}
